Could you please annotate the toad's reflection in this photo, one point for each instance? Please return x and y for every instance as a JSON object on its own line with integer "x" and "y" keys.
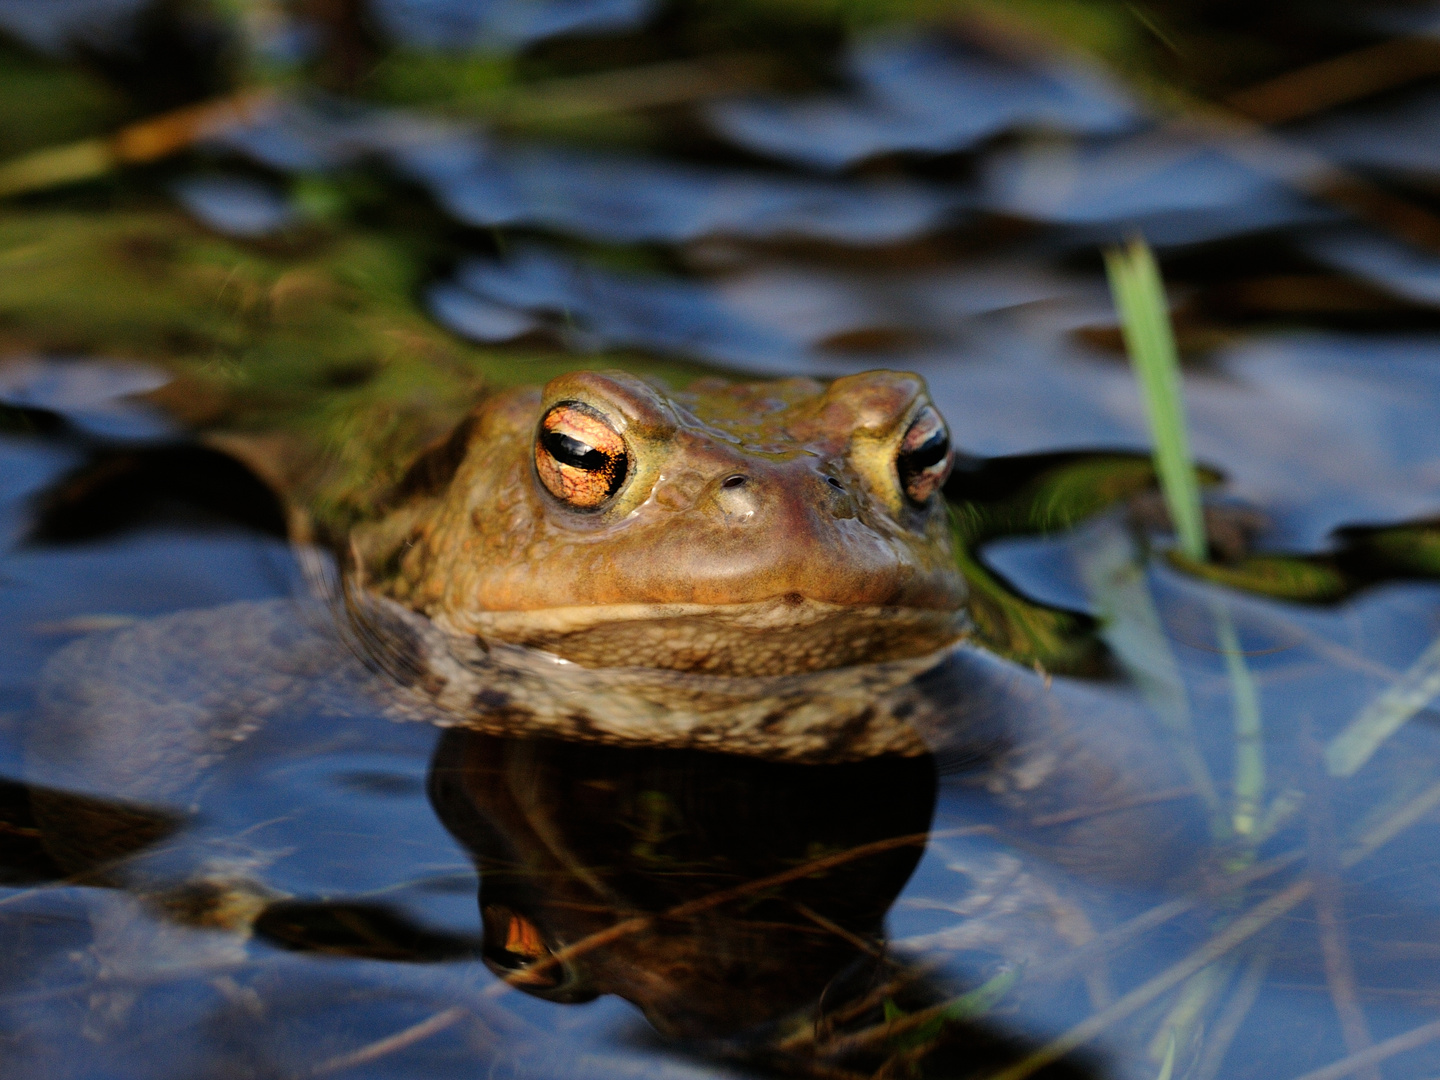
{"x": 574, "y": 840}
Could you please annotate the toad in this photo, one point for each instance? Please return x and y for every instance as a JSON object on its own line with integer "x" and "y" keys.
{"x": 736, "y": 529}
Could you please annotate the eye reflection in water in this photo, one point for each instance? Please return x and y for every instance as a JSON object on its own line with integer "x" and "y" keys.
{"x": 597, "y": 868}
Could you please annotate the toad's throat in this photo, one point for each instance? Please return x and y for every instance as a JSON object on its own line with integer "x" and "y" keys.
{"x": 780, "y": 636}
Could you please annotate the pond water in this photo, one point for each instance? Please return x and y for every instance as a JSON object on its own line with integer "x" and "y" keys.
{"x": 219, "y": 856}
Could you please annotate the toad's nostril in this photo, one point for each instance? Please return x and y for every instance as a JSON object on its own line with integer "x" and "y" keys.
{"x": 739, "y": 498}
{"x": 835, "y": 483}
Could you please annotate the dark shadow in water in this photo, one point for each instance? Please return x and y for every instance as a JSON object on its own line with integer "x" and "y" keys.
{"x": 48, "y": 835}
{"x": 119, "y": 489}
{"x": 627, "y": 850}
{"x": 363, "y": 930}
{"x": 24, "y": 420}
{"x": 23, "y": 858}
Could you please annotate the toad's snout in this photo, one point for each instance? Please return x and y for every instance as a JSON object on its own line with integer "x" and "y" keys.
{"x": 736, "y": 531}
{"x": 748, "y": 496}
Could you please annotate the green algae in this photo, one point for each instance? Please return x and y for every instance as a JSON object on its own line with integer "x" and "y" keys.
{"x": 1311, "y": 579}
{"x": 307, "y": 356}
{"x": 1061, "y": 492}
{"x": 1411, "y": 549}
{"x": 43, "y": 103}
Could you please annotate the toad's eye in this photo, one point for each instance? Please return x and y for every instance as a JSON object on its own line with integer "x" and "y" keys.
{"x": 924, "y": 458}
{"x": 516, "y": 950}
{"x": 513, "y": 946}
{"x": 581, "y": 459}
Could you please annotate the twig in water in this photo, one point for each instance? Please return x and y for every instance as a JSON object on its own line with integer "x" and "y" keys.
{"x": 638, "y": 923}
{"x": 1238, "y": 134}
{"x": 851, "y": 1010}
{"x": 1348, "y": 1066}
{"x": 870, "y": 947}
{"x": 1340, "y": 655}
{"x": 1239, "y": 931}
{"x": 390, "y": 1044}
{"x": 669, "y": 83}
{"x": 1161, "y": 914}
{"x": 1340, "y": 79}
{"x": 1112, "y": 939}
{"x": 148, "y": 140}
{"x": 967, "y": 1006}
{"x": 1065, "y": 817}
{"x": 1393, "y": 825}
{"x": 1340, "y": 971}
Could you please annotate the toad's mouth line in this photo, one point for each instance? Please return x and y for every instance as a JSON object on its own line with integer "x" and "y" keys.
{"x": 782, "y": 612}
{"x": 777, "y": 636}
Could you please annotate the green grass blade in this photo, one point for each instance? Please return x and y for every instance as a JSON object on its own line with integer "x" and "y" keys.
{"x": 1145, "y": 322}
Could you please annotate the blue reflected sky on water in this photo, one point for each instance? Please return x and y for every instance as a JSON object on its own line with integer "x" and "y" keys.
{"x": 915, "y": 92}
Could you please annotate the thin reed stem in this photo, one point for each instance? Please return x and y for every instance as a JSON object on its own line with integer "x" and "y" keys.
{"x": 1145, "y": 323}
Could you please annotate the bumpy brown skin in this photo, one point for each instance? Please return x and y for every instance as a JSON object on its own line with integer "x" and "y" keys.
{"x": 815, "y": 559}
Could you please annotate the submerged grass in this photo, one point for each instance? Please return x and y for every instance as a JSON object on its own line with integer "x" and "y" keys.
{"x": 1249, "y": 779}
{"x": 1145, "y": 323}
{"x": 1140, "y": 300}
{"x": 1202, "y": 981}
{"x": 1385, "y": 715}
{"x": 1234, "y": 934}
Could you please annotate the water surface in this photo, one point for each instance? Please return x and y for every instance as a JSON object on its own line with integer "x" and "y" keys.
{"x": 336, "y": 894}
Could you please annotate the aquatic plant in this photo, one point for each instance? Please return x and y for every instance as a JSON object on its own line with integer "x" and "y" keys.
{"x": 1150, "y": 343}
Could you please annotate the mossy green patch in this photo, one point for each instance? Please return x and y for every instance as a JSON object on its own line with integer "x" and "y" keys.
{"x": 46, "y": 103}
{"x": 309, "y": 356}
{"x": 1006, "y": 623}
{"x": 1400, "y": 550}
{"x": 1312, "y": 579}
{"x": 1053, "y": 499}
{"x": 463, "y": 80}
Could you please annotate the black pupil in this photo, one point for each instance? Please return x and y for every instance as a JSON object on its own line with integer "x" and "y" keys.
{"x": 503, "y": 957}
{"x": 573, "y": 452}
{"x": 568, "y": 450}
{"x": 931, "y": 452}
